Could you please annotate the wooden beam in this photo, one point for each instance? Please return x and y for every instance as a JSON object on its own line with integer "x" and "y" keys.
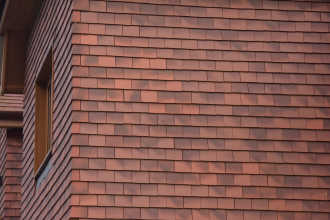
{"x": 4, "y": 61}
{"x": 11, "y": 123}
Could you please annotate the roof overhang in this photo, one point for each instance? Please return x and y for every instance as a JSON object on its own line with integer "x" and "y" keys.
{"x": 17, "y": 18}
{"x": 18, "y": 15}
{"x": 16, "y": 21}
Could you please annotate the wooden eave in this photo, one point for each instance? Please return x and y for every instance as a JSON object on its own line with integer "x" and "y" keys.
{"x": 18, "y": 15}
{"x": 11, "y": 110}
{"x": 17, "y": 19}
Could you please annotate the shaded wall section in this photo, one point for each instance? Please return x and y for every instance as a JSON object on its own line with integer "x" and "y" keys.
{"x": 201, "y": 109}
{"x": 11, "y": 164}
{"x": 52, "y": 30}
{"x": 3, "y": 144}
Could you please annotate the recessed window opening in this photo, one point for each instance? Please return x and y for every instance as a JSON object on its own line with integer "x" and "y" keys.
{"x": 43, "y": 115}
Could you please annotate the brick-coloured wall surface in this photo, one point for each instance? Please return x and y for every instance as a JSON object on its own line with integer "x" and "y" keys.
{"x": 3, "y": 144}
{"x": 201, "y": 109}
{"x": 10, "y": 159}
{"x": 12, "y": 177}
{"x": 52, "y": 29}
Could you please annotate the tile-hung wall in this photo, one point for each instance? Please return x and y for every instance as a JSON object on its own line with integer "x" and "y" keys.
{"x": 3, "y": 147}
{"x": 191, "y": 109}
{"x": 10, "y": 173}
{"x": 52, "y": 30}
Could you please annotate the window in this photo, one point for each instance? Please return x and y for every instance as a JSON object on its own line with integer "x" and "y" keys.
{"x": 43, "y": 115}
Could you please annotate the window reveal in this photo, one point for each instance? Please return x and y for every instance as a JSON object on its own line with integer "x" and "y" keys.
{"x": 43, "y": 114}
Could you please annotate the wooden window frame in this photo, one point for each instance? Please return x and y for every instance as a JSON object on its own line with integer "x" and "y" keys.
{"x": 3, "y": 62}
{"x": 44, "y": 115}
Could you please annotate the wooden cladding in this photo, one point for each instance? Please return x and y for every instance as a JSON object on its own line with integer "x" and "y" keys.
{"x": 43, "y": 113}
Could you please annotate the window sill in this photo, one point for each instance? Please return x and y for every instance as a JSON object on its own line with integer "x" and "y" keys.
{"x": 43, "y": 170}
